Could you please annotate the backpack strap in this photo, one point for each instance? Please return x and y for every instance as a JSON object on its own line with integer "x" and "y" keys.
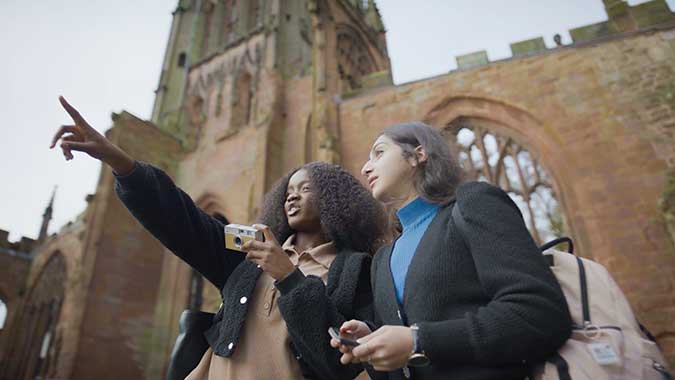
{"x": 561, "y": 366}
{"x": 560, "y": 240}
{"x": 585, "y": 307}
{"x": 583, "y": 282}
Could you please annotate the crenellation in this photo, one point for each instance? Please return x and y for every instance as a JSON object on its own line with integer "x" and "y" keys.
{"x": 528, "y": 47}
{"x": 471, "y": 60}
{"x": 622, "y": 18}
{"x": 23, "y": 246}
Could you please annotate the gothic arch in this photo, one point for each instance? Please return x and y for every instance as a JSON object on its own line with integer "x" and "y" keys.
{"x": 241, "y": 104}
{"x": 520, "y": 125}
{"x": 38, "y": 341}
{"x": 4, "y": 310}
{"x": 354, "y": 58}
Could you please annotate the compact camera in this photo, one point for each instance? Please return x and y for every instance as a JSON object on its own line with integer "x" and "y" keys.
{"x": 237, "y": 234}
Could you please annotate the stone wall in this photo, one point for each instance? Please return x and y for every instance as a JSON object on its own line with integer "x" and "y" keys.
{"x": 599, "y": 117}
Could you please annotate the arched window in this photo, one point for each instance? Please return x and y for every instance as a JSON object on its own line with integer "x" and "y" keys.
{"x": 241, "y": 100}
{"x": 488, "y": 156}
{"x": 36, "y": 348}
{"x": 3, "y": 314}
{"x": 354, "y": 61}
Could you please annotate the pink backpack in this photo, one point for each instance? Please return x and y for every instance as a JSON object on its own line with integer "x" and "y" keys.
{"x": 607, "y": 342}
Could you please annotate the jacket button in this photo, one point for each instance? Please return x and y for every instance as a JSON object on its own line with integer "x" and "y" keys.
{"x": 229, "y": 346}
{"x": 243, "y": 300}
{"x": 267, "y": 305}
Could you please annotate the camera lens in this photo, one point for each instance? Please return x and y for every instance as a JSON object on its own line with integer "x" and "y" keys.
{"x": 237, "y": 241}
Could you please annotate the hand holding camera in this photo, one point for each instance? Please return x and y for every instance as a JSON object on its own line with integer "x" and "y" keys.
{"x": 262, "y": 248}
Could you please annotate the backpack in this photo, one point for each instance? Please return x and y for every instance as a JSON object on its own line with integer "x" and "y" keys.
{"x": 607, "y": 341}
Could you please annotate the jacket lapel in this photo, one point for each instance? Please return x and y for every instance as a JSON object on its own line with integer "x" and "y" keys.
{"x": 427, "y": 246}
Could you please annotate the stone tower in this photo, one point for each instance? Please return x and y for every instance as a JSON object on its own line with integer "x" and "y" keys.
{"x": 339, "y": 43}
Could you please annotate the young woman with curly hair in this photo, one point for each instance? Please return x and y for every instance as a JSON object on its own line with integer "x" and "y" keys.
{"x": 463, "y": 292}
{"x": 278, "y": 299}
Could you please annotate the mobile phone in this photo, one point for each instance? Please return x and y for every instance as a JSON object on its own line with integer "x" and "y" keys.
{"x": 335, "y": 334}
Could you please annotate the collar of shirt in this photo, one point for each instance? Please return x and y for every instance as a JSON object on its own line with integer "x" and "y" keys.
{"x": 322, "y": 254}
{"x": 416, "y": 212}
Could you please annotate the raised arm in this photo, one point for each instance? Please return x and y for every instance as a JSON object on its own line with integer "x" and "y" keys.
{"x": 154, "y": 200}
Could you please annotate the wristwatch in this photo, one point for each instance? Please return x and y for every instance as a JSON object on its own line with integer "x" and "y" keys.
{"x": 417, "y": 358}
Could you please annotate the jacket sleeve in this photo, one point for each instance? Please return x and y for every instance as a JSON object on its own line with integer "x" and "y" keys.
{"x": 309, "y": 311}
{"x": 527, "y": 317}
{"x": 171, "y": 216}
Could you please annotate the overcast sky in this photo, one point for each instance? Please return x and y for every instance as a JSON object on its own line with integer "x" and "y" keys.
{"x": 105, "y": 56}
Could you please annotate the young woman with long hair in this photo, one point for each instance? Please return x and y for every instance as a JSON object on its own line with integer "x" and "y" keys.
{"x": 463, "y": 292}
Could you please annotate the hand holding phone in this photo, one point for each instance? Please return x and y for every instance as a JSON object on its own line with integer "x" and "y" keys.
{"x": 335, "y": 334}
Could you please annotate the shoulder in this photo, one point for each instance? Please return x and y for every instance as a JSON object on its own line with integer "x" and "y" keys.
{"x": 482, "y": 197}
{"x": 349, "y": 261}
{"x": 380, "y": 254}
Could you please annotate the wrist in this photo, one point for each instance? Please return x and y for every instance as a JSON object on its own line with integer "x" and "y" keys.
{"x": 290, "y": 282}
{"x": 418, "y": 358}
{"x": 121, "y": 163}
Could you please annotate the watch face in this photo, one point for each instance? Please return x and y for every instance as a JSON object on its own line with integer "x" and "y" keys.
{"x": 418, "y": 360}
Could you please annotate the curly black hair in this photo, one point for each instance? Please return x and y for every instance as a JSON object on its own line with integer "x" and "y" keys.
{"x": 349, "y": 214}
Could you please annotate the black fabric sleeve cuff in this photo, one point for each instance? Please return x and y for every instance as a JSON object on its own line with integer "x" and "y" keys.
{"x": 446, "y": 340}
{"x": 291, "y": 281}
{"x": 130, "y": 174}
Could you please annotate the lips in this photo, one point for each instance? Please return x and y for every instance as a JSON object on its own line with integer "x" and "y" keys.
{"x": 371, "y": 181}
{"x": 293, "y": 210}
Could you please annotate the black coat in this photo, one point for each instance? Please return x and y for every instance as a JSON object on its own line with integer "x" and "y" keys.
{"x": 308, "y": 306}
{"x": 486, "y": 301}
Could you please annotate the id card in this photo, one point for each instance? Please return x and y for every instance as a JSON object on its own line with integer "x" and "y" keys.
{"x": 603, "y": 353}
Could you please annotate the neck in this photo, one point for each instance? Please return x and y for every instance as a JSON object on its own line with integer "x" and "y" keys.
{"x": 307, "y": 240}
{"x": 404, "y": 199}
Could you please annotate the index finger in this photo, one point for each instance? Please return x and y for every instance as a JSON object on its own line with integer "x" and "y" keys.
{"x": 74, "y": 114}
{"x": 253, "y": 245}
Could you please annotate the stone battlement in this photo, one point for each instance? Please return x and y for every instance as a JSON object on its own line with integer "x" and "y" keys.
{"x": 20, "y": 248}
{"x": 622, "y": 19}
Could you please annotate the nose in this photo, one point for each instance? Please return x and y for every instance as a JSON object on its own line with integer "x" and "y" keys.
{"x": 292, "y": 196}
{"x": 366, "y": 169}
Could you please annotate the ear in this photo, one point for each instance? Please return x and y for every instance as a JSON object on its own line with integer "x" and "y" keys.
{"x": 420, "y": 155}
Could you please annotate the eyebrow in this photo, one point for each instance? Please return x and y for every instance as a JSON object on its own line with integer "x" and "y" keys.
{"x": 303, "y": 182}
{"x": 375, "y": 146}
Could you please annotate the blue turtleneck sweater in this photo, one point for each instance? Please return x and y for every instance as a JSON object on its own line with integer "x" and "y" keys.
{"x": 415, "y": 217}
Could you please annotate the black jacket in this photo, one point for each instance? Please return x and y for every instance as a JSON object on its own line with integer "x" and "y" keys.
{"x": 486, "y": 301}
{"x": 308, "y": 306}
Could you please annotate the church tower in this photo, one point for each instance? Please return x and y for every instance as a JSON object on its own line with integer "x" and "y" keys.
{"x": 338, "y": 43}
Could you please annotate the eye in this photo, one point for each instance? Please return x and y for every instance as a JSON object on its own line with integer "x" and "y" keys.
{"x": 378, "y": 152}
{"x": 306, "y": 188}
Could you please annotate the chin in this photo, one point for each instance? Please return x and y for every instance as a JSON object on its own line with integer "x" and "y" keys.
{"x": 378, "y": 194}
{"x": 294, "y": 223}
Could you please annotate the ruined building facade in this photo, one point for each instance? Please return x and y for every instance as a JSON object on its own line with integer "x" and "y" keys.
{"x": 580, "y": 135}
